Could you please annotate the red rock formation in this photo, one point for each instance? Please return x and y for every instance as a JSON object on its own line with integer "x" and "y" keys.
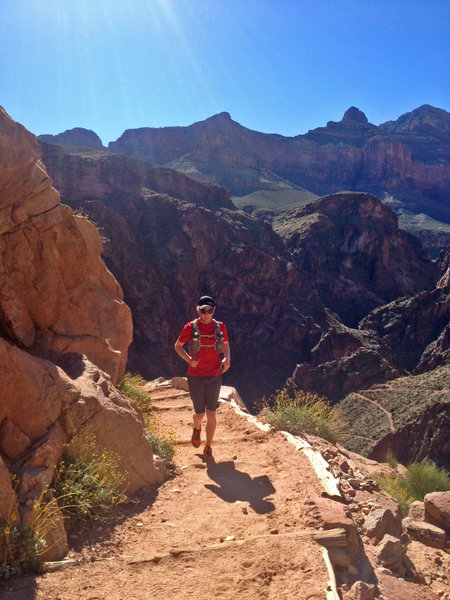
{"x": 55, "y": 292}
{"x": 407, "y": 159}
{"x": 75, "y": 137}
{"x": 42, "y": 407}
{"x": 351, "y": 247}
{"x": 58, "y": 304}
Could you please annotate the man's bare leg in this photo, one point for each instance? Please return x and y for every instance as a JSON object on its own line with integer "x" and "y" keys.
{"x": 210, "y": 426}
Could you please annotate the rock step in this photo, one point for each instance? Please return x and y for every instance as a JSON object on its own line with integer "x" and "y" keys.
{"x": 163, "y": 407}
{"x": 217, "y": 442}
{"x": 162, "y": 396}
{"x": 335, "y": 534}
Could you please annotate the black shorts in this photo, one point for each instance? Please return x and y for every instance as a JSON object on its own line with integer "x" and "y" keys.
{"x": 204, "y": 392}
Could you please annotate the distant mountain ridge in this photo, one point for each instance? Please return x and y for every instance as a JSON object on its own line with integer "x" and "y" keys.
{"x": 404, "y": 162}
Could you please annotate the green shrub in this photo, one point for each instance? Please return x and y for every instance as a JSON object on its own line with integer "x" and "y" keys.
{"x": 396, "y": 487}
{"x": 21, "y": 545}
{"x": 164, "y": 448}
{"x": 89, "y": 486}
{"x": 20, "y": 549}
{"x": 391, "y": 460}
{"x": 426, "y": 477}
{"x": 162, "y": 440}
{"x": 420, "y": 480}
{"x": 129, "y": 386}
{"x": 303, "y": 414}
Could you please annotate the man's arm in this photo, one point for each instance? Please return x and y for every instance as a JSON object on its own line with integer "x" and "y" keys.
{"x": 179, "y": 349}
{"x": 226, "y": 360}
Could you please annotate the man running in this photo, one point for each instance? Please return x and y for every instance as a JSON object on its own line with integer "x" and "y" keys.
{"x": 208, "y": 340}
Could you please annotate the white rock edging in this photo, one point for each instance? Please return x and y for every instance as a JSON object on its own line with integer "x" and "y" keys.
{"x": 319, "y": 464}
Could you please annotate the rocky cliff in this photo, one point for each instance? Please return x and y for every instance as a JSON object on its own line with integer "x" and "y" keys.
{"x": 64, "y": 337}
{"x": 352, "y": 248}
{"x": 56, "y": 293}
{"x": 85, "y": 138}
{"x": 408, "y": 335}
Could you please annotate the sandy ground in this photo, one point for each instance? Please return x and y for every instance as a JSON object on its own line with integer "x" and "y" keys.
{"x": 231, "y": 529}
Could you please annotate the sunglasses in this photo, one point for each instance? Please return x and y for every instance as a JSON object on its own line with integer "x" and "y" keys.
{"x": 208, "y": 311}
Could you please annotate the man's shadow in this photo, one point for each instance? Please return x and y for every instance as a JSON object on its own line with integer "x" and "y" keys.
{"x": 235, "y": 485}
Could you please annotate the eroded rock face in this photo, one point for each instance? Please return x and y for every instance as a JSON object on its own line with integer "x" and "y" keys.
{"x": 415, "y": 329}
{"x": 58, "y": 305}
{"x": 55, "y": 292}
{"x": 351, "y": 247}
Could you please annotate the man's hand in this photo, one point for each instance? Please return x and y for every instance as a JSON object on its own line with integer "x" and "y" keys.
{"x": 225, "y": 364}
{"x": 193, "y": 362}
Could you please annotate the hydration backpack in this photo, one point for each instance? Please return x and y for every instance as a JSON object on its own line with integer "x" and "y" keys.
{"x": 195, "y": 343}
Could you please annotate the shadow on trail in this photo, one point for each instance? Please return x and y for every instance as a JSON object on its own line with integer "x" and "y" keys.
{"x": 236, "y": 485}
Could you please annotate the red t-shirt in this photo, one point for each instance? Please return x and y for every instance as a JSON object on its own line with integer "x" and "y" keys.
{"x": 209, "y": 364}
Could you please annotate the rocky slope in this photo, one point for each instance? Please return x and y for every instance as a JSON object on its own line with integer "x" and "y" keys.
{"x": 408, "y": 335}
{"x": 407, "y": 418}
{"x": 352, "y": 248}
{"x": 64, "y": 337}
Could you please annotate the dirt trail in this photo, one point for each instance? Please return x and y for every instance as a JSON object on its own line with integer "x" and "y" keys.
{"x": 378, "y": 405}
{"x": 232, "y": 529}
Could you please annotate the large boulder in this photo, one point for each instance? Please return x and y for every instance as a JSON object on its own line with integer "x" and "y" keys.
{"x": 44, "y": 406}
{"x": 437, "y": 509}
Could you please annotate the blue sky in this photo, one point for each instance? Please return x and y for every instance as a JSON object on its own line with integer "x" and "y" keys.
{"x": 278, "y": 66}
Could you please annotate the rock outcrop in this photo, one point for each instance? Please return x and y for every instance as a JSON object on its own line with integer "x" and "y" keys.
{"x": 55, "y": 292}
{"x": 78, "y": 136}
{"x": 64, "y": 337}
{"x": 352, "y": 248}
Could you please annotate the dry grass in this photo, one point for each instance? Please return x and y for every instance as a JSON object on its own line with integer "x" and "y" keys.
{"x": 303, "y": 414}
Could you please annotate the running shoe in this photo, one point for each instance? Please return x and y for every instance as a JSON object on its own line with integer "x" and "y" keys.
{"x": 207, "y": 454}
{"x": 195, "y": 439}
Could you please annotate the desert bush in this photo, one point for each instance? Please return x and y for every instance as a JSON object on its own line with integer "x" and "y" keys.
{"x": 303, "y": 414}
{"x": 391, "y": 460}
{"x": 426, "y": 477}
{"x": 163, "y": 447}
{"x": 162, "y": 439}
{"x": 421, "y": 479}
{"x": 130, "y": 387}
{"x": 22, "y": 544}
{"x": 89, "y": 486}
{"x": 396, "y": 487}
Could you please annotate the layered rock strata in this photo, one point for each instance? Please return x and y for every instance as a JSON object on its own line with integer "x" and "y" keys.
{"x": 55, "y": 292}
{"x": 406, "y": 159}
